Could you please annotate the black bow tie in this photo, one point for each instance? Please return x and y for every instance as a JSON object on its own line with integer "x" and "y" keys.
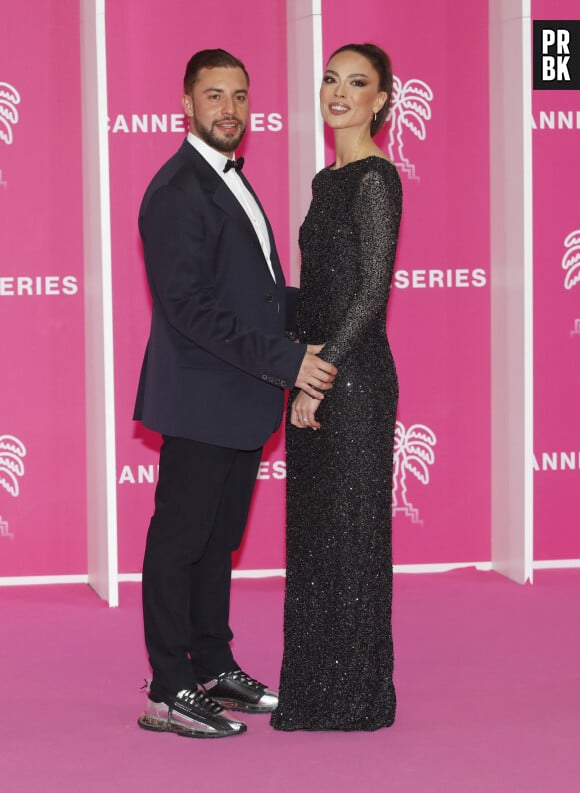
{"x": 237, "y": 164}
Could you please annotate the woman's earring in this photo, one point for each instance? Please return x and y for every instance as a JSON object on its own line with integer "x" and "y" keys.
{"x": 375, "y": 116}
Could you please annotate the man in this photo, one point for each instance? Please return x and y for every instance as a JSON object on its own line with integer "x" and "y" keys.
{"x": 212, "y": 383}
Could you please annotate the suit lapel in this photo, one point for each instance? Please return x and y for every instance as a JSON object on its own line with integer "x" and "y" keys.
{"x": 213, "y": 184}
{"x": 273, "y": 251}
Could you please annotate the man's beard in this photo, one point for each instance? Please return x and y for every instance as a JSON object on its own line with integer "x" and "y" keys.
{"x": 225, "y": 145}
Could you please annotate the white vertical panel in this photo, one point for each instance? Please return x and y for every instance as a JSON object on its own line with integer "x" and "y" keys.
{"x": 305, "y": 128}
{"x": 100, "y": 406}
{"x": 511, "y": 289}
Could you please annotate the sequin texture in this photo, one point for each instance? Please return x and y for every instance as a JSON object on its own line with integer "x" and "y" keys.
{"x": 338, "y": 651}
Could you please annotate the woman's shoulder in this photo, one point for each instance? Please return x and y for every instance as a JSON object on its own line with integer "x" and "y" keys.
{"x": 381, "y": 171}
{"x": 381, "y": 164}
{"x": 373, "y": 162}
{"x": 374, "y": 170}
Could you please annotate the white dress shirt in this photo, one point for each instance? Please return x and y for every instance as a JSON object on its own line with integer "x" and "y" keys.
{"x": 218, "y": 161}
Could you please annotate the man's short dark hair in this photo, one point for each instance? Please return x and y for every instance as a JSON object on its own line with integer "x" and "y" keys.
{"x": 209, "y": 59}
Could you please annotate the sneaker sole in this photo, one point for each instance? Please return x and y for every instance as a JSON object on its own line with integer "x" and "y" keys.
{"x": 243, "y": 707}
{"x": 147, "y": 722}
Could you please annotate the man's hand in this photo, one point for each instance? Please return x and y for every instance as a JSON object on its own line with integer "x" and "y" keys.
{"x": 315, "y": 375}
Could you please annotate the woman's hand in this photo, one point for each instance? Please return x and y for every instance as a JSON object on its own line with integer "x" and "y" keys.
{"x": 302, "y": 414}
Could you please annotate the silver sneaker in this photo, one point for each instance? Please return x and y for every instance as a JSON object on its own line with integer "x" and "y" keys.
{"x": 189, "y": 713}
{"x": 238, "y": 691}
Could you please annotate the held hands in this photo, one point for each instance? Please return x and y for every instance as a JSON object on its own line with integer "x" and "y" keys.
{"x": 315, "y": 375}
{"x": 303, "y": 410}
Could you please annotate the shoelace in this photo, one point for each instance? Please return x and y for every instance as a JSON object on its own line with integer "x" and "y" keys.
{"x": 192, "y": 697}
{"x": 247, "y": 680}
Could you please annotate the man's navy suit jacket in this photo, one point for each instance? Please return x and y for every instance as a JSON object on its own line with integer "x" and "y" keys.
{"x": 216, "y": 363}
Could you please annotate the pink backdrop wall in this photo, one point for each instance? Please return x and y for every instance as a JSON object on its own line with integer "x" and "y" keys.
{"x": 556, "y": 153}
{"x": 439, "y": 313}
{"x": 42, "y": 461}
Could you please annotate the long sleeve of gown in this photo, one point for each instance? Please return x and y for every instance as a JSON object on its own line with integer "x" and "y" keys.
{"x": 377, "y": 215}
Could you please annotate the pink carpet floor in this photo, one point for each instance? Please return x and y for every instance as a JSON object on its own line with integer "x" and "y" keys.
{"x": 487, "y": 672}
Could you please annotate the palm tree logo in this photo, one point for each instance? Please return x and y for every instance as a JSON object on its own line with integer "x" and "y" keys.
{"x": 12, "y": 452}
{"x": 9, "y": 98}
{"x": 571, "y": 259}
{"x": 413, "y": 454}
{"x": 410, "y": 109}
{"x": 5, "y": 529}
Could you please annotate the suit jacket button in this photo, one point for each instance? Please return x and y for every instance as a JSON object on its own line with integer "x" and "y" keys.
{"x": 268, "y": 298}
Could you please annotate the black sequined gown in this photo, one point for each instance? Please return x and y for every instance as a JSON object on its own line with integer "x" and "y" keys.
{"x": 338, "y": 649}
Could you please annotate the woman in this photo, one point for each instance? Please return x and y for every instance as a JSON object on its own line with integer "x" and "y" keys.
{"x": 338, "y": 654}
